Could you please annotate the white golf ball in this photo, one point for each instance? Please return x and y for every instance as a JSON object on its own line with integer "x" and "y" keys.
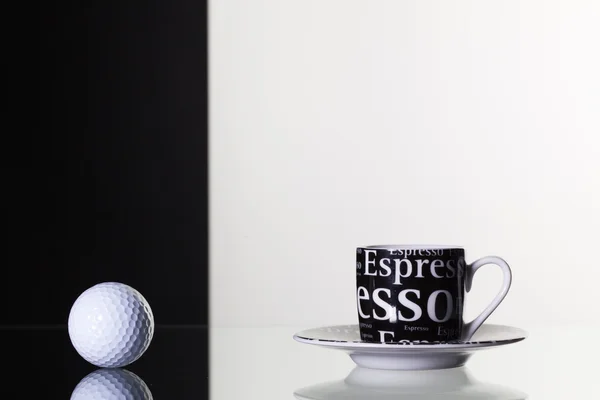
{"x": 111, "y": 384}
{"x": 111, "y": 325}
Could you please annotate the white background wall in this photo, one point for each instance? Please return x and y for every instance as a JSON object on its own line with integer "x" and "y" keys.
{"x": 335, "y": 124}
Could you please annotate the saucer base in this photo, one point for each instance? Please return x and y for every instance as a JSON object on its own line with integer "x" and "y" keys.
{"x": 410, "y": 362}
{"x": 409, "y": 357}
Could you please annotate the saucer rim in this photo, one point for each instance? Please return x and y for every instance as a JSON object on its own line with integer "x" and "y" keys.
{"x": 358, "y": 344}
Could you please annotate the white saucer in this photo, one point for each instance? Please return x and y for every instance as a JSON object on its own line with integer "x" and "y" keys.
{"x": 371, "y": 384}
{"x": 409, "y": 356}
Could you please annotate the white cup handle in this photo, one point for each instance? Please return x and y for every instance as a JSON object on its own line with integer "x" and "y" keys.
{"x": 469, "y": 328}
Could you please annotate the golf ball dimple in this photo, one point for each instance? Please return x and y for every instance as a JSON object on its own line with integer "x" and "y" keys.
{"x": 111, "y": 384}
{"x": 111, "y": 325}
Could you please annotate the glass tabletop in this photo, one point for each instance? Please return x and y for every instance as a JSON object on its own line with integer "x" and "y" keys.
{"x": 554, "y": 362}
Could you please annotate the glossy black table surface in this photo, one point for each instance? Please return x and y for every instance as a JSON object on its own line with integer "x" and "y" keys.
{"x": 42, "y": 362}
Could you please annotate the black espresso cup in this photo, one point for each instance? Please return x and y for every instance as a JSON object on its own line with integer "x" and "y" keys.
{"x": 415, "y": 294}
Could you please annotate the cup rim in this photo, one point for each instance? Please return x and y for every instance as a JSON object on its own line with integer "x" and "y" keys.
{"x": 411, "y": 247}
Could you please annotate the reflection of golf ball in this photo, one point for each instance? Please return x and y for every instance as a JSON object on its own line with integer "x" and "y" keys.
{"x": 111, "y": 325}
{"x": 111, "y": 384}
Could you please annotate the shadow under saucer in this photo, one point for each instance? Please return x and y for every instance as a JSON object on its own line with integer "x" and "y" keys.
{"x": 372, "y": 384}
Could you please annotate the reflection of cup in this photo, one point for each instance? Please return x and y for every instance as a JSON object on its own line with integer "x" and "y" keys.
{"x": 416, "y": 293}
{"x": 371, "y": 384}
{"x": 111, "y": 383}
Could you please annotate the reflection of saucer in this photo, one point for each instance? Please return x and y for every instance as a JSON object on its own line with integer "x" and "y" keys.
{"x": 370, "y": 384}
{"x": 403, "y": 356}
